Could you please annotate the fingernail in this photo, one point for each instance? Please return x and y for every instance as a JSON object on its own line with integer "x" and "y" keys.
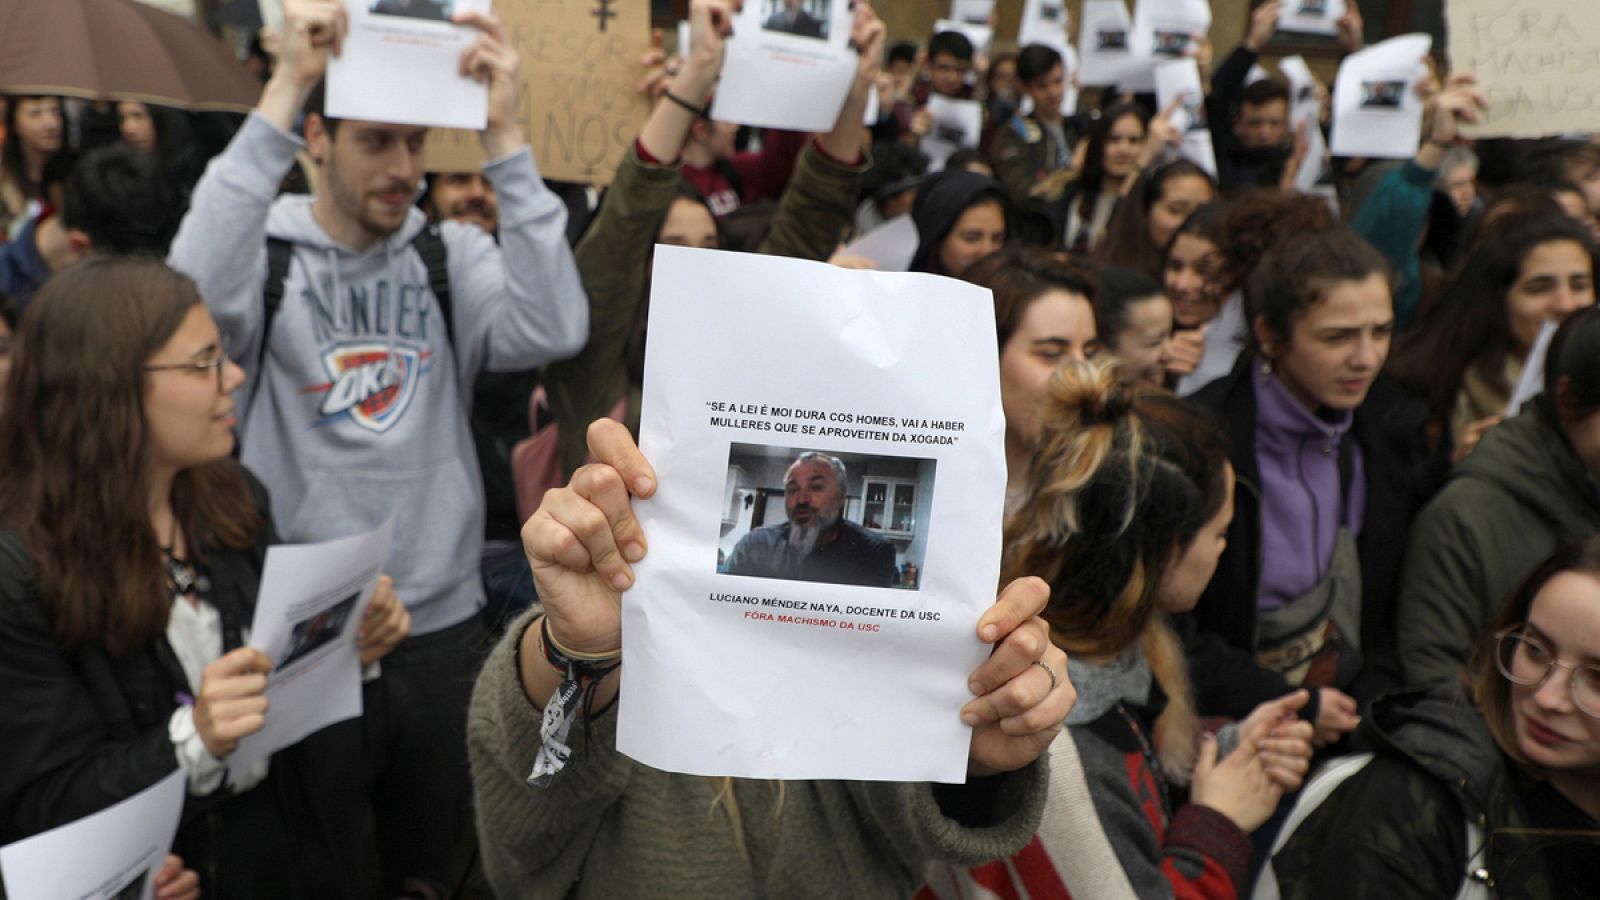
{"x": 633, "y": 551}
{"x": 975, "y": 687}
{"x": 971, "y": 718}
{"x": 990, "y": 632}
{"x": 620, "y": 581}
{"x": 642, "y": 485}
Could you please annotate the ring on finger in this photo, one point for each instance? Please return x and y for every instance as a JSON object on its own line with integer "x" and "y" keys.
{"x": 1052, "y": 672}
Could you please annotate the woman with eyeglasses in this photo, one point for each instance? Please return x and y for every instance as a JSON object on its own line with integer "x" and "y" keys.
{"x": 1489, "y": 784}
{"x": 131, "y": 551}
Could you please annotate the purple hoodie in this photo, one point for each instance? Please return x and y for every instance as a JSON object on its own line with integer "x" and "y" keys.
{"x": 1298, "y": 454}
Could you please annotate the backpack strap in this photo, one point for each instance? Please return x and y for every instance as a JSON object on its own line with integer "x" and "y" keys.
{"x": 429, "y": 244}
{"x": 280, "y": 255}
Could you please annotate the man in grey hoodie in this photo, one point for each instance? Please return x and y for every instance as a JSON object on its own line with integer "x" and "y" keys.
{"x": 357, "y": 403}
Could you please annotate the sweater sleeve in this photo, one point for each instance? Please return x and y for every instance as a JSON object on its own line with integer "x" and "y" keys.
{"x": 611, "y": 260}
{"x": 222, "y": 241}
{"x": 1392, "y": 220}
{"x": 534, "y": 840}
{"x": 520, "y": 302}
{"x": 59, "y": 760}
{"x": 815, "y": 209}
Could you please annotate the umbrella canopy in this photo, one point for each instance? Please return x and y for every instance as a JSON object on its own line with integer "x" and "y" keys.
{"x": 117, "y": 50}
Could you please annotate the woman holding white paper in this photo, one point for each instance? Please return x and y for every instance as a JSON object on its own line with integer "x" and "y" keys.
{"x": 1127, "y": 502}
{"x": 128, "y": 574}
{"x": 604, "y": 826}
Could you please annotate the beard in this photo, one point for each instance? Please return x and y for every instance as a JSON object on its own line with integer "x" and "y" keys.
{"x": 803, "y": 538}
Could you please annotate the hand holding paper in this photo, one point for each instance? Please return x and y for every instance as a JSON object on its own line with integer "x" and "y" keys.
{"x": 1263, "y": 25}
{"x": 233, "y": 700}
{"x": 311, "y": 29}
{"x": 174, "y": 882}
{"x": 384, "y": 625}
{"x": 490, "y": 59}
{"x": 1023, "y": 692}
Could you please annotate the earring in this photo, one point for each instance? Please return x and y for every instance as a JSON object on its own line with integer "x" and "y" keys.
{"x": 1266, "y": 362}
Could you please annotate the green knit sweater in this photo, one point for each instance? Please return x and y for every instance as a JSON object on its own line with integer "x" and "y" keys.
{"x": 608, "y": 827}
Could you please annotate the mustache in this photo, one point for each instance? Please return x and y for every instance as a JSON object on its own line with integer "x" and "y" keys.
{"x": 475, "y": 204}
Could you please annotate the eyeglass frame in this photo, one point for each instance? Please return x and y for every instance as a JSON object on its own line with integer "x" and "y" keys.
{"x": 1516, "y": 631}
{"x": 220, "y": 363}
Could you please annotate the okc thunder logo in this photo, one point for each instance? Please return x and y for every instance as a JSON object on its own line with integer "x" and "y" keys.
{"x": 371, "y": 385}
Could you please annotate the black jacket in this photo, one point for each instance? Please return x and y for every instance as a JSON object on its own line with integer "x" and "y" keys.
{"x": 85, "y": 730}
{"x": 1396, "y": 830}
{"x": 1401, "y": 475}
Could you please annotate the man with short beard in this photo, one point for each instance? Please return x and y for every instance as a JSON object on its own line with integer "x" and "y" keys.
{"x": 817, "y": 543}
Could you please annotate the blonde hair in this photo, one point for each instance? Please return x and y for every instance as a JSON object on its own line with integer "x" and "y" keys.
{"x": 729, "y": 802}
{"x": 1122, "y": 478}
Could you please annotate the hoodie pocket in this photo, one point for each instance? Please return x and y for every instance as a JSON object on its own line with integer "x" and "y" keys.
{"x": 438, "y": 519}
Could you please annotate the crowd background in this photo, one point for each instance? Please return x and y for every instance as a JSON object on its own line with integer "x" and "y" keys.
{"x": 1264, "y": 485}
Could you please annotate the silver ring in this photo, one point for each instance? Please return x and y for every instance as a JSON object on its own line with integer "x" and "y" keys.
{"x": 1046, "y": 666}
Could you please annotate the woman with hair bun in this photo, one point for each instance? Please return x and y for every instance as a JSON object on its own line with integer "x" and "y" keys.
{"x": 1129, "y": 496}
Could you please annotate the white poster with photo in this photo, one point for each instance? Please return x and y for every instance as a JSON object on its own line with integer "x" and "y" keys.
{"x": 112, "y": 854}
{"x": 1311, "y": 16}
{"x": 1179, "y": 82}
{"x": 1105, "y": 45}
{"x": 1305, "y": 119}
{"x": 401, "y": 63}
{"x": 788, "y": 66}
{"x": 1069, "y": 93}
{"x": 956, "y": 124}
{"x": 826, "y": 531}
{"x": 311, "y": 603}
{"x": 973, "y": 12}
{"x": 981, "y": 36}
{"x": 1166, "y": 30}
{"x": 1376, "y": 110}
{"x": 1045, "y": 22}
{"x": 890, "y": 245}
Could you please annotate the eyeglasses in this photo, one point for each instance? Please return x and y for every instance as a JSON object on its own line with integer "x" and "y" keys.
{"x": 1525, "y": 660}
{"x": 218, "y": 363}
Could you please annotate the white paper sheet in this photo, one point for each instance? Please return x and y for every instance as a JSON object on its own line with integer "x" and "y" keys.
{"x": 1311, "y": 16}
{"x": 890, "y": 245}
{"x": 1531, "y": 384}
{"x": 1224, "y": 340}
{"x": 311, "y": 602}
{"x": 763, "y": 677}
{"x": 974, "y": 12}
{"x": 1305, "y": 114}
{"x": 1163, "y": 31}
{"x": 1376, "y": 110}
{"x": 956, "y": 124}
{"x": 400, "y": 63}
{"x": 1105, "y": 45}
{"x": 109, "y": 855}
{"x": 1044, "y": 22}
{"x": 271, "y": 14}
{"x": 773, "y": 78}
{"x": 1069, "y": 94}
{"x": 981, "y": 36}
{"x": 1255, "y": 74}
{"x": 684, "y": 38}
{"x": 1177, "y": 80}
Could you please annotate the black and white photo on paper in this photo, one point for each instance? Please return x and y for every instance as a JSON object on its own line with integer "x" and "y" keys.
{"x": 1171, "y": 42}
{"x": 826, "y": 516}
{"x": 1111, "y": 39}
{"x": 133, "y": 890}
{"x": 1387, "y": 94}
{"x": 426, "y": 10}
{"x": 318, "y": 629}
{"x": 800, "y": 18}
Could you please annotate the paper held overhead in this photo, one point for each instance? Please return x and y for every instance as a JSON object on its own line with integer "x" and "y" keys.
{"x": 1376, "y": 110}
{"x": 401, "y": 63}
{"x": 1537, "y": 61}
{"x": 1311, "y": 16}
{"x": 790, "y": 70}
{"x": 828, "y": 446}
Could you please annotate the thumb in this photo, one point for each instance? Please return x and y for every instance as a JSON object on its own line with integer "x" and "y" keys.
{"x": 1293, "y": 703}
{"x": 1208, "y": 756}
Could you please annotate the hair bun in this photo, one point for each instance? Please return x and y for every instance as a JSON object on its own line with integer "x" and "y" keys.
{"x": 1086, "y": 394}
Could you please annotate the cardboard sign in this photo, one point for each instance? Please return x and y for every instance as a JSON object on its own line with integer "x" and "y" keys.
{"x": 1537, "y": 60}
{"x": 578, "y": 102}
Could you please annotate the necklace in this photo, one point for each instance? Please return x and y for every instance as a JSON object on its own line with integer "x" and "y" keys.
{"x": 183, "y": 577}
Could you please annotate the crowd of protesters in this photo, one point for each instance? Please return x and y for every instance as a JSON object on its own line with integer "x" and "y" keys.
{"x": 1300, "y": 589}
